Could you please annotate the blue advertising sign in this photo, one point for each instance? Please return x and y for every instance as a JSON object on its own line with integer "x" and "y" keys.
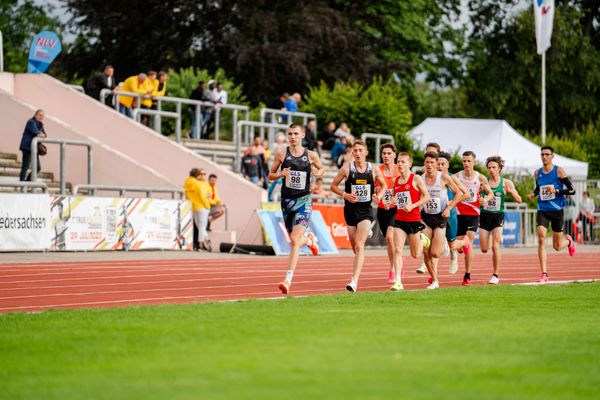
{"x": 44, "y": 49}
{"x": 511, "y": 234}
{"x": 272, "y": 222}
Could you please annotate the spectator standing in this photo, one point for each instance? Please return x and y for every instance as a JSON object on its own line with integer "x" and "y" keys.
{"x": 310, "y": 139}
{"x": 220, "y": 94}
{"x": 197, "y": 94}
{"x": 217, "y": 208}
{"x": 587, "y": 217}
{"x": 33, "y": 128}
{"x": 196, "y": 191}
{"x": 134, "y": 84}
{"x": 208, "y": 111}
{"x": 103, "y": 80}
{"x": 251, "y": 166}
{"x": 147, "y": 102}
{"x": 326, "y": 138}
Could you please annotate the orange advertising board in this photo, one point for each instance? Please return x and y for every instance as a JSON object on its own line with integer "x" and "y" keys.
{"x": 334, "y": 219}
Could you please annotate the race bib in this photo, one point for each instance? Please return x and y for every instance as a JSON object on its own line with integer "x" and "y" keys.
{"x": 403, "y": 199}
{"x": 546, "y": 194}
{"x": 296, "y": 180}
{"x": 433, "y": 206}
{"x": 472, "y": 195}
{"x": 493, "y": 204}
{"x": 387, "y": 196}
{"x": 362, "y": 193}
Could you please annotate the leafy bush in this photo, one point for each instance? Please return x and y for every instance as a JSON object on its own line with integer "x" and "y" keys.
{"x": 378, "y": 108}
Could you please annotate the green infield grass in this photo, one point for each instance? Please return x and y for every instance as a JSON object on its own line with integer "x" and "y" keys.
{"x": 506, "y": 342}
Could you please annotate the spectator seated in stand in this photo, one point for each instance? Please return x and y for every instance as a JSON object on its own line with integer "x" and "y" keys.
{"x": 326, "y": 138}
{"x": 318, "y": 190}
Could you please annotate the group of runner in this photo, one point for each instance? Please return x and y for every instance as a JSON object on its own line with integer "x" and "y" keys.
{"x": 438, "y": 213}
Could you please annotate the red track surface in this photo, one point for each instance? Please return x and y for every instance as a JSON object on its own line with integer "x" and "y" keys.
{"x": 41, "y": 286}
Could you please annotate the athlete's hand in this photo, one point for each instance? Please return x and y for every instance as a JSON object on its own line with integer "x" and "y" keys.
{"x": 315, "y": 171}
{"x": 376, "y": 198}
{"x": 284, "y": 172}
{"x": 530, "y": 196}
{"x": 446, "y": 213}
{"x": 350, "y": 197}
{"x": 481, "y": 201}
{"x": 409, "y": 207}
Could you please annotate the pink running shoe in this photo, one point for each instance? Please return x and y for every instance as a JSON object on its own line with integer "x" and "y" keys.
{"x": 284, "y": 287}
{"x": 391, "y": 277}
{"x": 544, "y": 278}
{"x": 572, "y": 248}
{"x": 467, "y": 246}
{"x": 314, "y": 247}
{"x": 466, "y": 282}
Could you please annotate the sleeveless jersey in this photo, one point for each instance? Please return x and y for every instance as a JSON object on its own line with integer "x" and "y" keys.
{"x": 388, "y": 195}
{"x": 496, "y": 205}
{"x": 405, "y": 194}
{"x": 439, "y": 196}
{"x": 297, "y": 183}
{"x": 360, "y": 184}
{"x": 550, "y": 201}
{"x": 470, "y": 206}
{"x": 451, "y": 195}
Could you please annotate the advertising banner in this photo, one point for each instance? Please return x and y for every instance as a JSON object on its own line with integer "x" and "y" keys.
{"x": 24, "y": 221}
{"x": 274, "y": 228}
{"x": 511, "y": 232}
{"x": 44, "y": 49}
{"x": 336, "y": 224}
{"x": 104, "y": 223}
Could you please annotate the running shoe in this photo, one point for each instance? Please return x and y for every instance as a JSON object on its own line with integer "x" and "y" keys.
{"x": 572, "y": 248}
{"x": 446, "y": 252}
{"x": 433, "y": 285}
{"x": 314, "y": 247}
{"x": 284, "y": 286}
{"x": 397, "y": 286}
{"x": 422, "y": 269}
{"x": 391, "y": 277}
{"x": 453, "y": 269}
{"x": 494, "y": 280}
{"x": 467, "y": 246}
{"x": 351, "y": 287}
{"x": 466, "y": 282}
{"x": 544, "y": 278}
{"x": 425, "y": 240}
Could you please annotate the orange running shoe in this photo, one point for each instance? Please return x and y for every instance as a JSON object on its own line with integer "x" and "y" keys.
{"x": 284, "y": 286}
{"x": 314, "y": 247}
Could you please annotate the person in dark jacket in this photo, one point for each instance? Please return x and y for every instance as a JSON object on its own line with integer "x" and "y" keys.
{"x": 103, "y": 80}
{"x": 33, "y": 128}
{"x": 310, "y": 140}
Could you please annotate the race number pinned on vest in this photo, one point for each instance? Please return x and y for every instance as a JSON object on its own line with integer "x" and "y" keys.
{"x": 362, "y": 193}
{"x": 433, "y": 206}
{"x": 472, "y": 196}
{"x": 296, "y": 180}
{"x": 493, "y": 204}
{"x": 387, "y": 196}
{"x": 403, "y": 199}
{"x": 546, "y": 193}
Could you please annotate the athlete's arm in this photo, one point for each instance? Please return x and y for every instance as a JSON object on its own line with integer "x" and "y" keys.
{"x": 462, "y": 194}
{"x": 536, "y": 190}
{"x": 509, "y": 187}
{"x": 317, "y": 167}
{"x": 343, "y": 173}
{"x": 278, "y": 159}
{"x": 485, "y": 186}
{"x": 449, "y": 182}
{"x": 378, "y": 177}
{"x": 420, "y": 186}
{"x": 569, "y": 190}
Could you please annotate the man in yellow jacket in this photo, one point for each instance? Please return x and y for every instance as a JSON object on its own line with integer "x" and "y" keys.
{"x": 134, "y": 84}
{"x": 197, "y": 192}
{"x": 156, "y": 88}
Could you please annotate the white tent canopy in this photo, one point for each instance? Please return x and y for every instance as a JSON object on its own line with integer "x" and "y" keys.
{"x": 487, "y": 137}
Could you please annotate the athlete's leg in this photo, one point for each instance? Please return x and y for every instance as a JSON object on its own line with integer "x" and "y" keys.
{"x": 360, "y": 237}
{"x": 541, "y": 234}
{"x": 484, "y": 240}
{"x": 558, "y": 241}
{"x": 399, "y": 240}
{"x": 496, "y": 240}
{"x": 469, "y": 255}
{"x": 416, "y": 245}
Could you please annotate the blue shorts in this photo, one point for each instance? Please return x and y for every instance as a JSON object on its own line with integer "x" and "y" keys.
{"x": 296, "y": 212}
{"x": 452, "y": 227}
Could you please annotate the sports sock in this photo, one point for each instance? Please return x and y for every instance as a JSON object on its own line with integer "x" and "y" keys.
{"x": 467, "y": 275}
{"x": 398, "y": 278}
{"x": 309, "y": 242}
{"x": 453, "y": 255}
{"x": 545, "y": 273}
{"x": 289, "y": 275}
{"x": 496, "y": 275}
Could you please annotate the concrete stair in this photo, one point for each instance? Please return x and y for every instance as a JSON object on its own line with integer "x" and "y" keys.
{"x": 10, "y": 168}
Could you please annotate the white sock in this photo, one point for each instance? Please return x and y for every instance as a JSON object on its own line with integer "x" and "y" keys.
{"x": 453, "y": 255}
{"x": 289, "y": 275}
{"x": 399, "y": 278}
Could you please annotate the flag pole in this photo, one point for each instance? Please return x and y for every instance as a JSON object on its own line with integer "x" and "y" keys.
{"x": 544, "y": 97}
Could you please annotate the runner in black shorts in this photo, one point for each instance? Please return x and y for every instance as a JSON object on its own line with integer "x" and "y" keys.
{"x": 360, "y": 179}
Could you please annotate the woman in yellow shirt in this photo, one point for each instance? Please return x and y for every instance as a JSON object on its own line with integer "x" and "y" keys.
{"x": 196, "y": 192}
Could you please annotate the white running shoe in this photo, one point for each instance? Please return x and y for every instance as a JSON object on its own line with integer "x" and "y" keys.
{"x": 433, "y": 285}
{"x": 397, "y": 286}
{"x": 422, "y": 269}
{"x": 446, "y": 252}
{"x": 453, "y": 264}
{"x": 494, "y": 280}
{"x": 351, "y": 287}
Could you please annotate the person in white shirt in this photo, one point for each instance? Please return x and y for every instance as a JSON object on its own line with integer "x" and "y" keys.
{"x": 220, "y": 94}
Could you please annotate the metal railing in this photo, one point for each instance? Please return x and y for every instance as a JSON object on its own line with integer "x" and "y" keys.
{"x": 378, "y": 138}
{"x": 248, "y": 133}
{"x": 63, "y": 149}
{"x": 25, "y": 186}
{"x": 1, "y": 53}
{"x": 78, "y": 88}
{"x": 104, "y": 93}
{"x": 122, "y": 189}
{"x": 272, "y": 113}
{"x": 157, "y": 114}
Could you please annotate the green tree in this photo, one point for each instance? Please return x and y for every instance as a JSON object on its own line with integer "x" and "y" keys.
{"x": 20, "y": 21}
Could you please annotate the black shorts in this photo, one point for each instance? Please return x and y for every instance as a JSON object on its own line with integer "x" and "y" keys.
{"x": 554, "y": 218}
{"x": 491, "y": 221}
{"x": 355, "y": 214}
{"x": 410, "y": 228}
{"x": 434, "y": 220}
{"x": 467, "y": 223}
{"x": 386, "y": 219}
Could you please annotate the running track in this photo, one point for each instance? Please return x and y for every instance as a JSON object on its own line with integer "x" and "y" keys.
{"x": 41, "y": 286}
